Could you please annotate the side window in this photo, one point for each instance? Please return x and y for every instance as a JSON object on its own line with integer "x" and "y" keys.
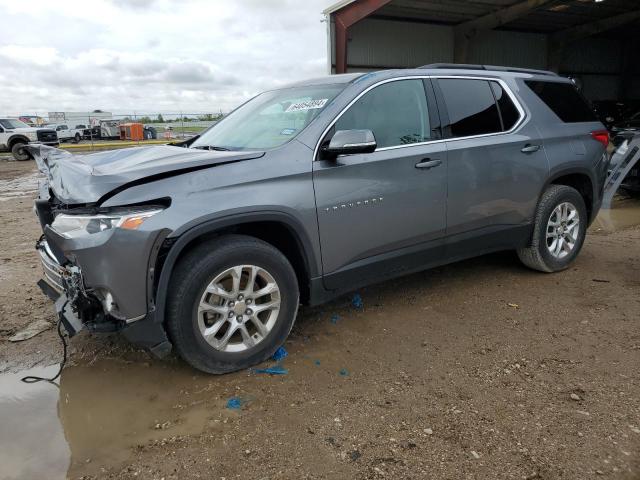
{"x": 508, "y": 111}
{"x": 471, "y": 106}
{"x": 396, "y": 112}
{"x": 564, "y": 100}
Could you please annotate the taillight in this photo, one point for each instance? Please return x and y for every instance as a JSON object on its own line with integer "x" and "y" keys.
{"x": 601, "y": 136}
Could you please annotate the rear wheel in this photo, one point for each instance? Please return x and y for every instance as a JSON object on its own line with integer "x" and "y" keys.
{"x": 18, "y": 151}
{"x": 559, "y": 230}
{"x": 231, "y": 303}
{"x": 76, "y": 138}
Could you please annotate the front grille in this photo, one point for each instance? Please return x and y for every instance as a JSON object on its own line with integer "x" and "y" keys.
{"x": 47, "y": 135}
{"x": 52, "y": 270}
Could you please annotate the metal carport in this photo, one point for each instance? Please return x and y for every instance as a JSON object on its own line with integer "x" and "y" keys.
{"x": 594, "y": 41}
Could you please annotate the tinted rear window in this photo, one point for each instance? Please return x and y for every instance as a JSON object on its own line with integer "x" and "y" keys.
{"x": 471, "y": 107}
{"x": 564, "y": 100}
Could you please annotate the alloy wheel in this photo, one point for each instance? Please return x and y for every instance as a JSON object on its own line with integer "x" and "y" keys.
{"x": 239, "y": 308}
{"x": 563, "y": 229}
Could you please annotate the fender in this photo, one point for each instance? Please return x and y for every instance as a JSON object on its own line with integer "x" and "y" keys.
{"x": 12, "y": 140}
{"x": 157, "y": 308}
{"x": 572, "y": 171}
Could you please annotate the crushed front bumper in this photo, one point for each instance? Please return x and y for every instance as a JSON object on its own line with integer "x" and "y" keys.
{"x": 77, "y": 308}
{"x": 65, "y": 286}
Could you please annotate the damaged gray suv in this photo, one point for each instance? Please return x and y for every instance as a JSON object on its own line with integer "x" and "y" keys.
{"x": 309, "y": 191}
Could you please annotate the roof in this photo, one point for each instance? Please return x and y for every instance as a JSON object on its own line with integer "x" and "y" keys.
{"x": 435, "y": 70}
{"x": 325, "y": 80}
{"x": 555, "y": 15}
{"x": 337, "y": 6}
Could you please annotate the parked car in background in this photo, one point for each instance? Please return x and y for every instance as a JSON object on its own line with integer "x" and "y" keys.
{"x": 150, "y": 133}
{"x": 312, "y": 190}
{"x": 625, "y": 129}
{"x": 66, "y": 134}
{"x": 89, "y": 133}
{"x": 105, "y": 130}
{"x": 14, "y": 135}
{"x": 609, "y": 111}
{"x": 110, "y": 129}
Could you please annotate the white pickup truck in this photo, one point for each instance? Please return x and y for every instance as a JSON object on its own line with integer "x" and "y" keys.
{"x": 14, "y": 135}
{"x": 66, "y": 134}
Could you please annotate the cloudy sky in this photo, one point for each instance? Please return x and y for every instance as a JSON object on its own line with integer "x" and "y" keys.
{"x": 153, "y": 56}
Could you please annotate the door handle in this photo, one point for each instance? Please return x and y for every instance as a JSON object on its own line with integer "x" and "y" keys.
{"x": 529, "y": 148}
{"x": 427, "y": 163}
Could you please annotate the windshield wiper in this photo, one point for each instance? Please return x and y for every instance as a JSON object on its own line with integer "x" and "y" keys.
{"x": 212, "y": 147}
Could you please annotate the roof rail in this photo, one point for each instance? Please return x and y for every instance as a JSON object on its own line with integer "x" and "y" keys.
{"x": 467, "y": 66}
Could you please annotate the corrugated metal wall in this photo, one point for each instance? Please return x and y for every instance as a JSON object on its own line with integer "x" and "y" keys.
{"x": 516, "y": 49}
{"x": 377, "y": 43}
{"x": 597, "y": 63}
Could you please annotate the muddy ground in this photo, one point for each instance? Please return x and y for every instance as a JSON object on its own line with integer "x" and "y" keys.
{"x": 481, "y": 369}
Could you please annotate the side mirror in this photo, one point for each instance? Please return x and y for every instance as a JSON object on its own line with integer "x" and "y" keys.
{"x": 347, "y": 142}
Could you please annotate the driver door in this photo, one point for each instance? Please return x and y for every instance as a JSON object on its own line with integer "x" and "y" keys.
{"x": 383, "y": 213}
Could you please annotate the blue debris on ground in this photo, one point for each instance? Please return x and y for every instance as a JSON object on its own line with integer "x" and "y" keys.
{"x": 275, "y": 370}
{"x": 280, "y": 354}
{"x": 356, "y": 301}
{"x": 334, "y": 318}
{"x": 344, "y": 372}
{"x": 234, "y": 403}
{"x": 317, "y": 362}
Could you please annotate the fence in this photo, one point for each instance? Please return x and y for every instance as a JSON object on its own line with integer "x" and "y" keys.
{"x": 180, "y": 125}
{"x": 101, "y": 130}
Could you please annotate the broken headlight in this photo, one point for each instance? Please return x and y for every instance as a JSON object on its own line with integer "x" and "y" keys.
{"x": 74, "y": 226}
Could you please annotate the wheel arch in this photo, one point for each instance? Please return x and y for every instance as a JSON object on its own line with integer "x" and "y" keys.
{"x": 16, "y": 139}
{"x": 276, "y": 228}
{"x": 582, "y": 180}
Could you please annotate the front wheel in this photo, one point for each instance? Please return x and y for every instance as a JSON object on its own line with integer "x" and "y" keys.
{"x": 559, "y": 230}
{"x": 76, "y": 138}
{"x": 232, "y": 302}
{"x": 19, "y": 153}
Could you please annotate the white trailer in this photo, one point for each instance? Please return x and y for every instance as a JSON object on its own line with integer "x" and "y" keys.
{"x": 72, "y": 119}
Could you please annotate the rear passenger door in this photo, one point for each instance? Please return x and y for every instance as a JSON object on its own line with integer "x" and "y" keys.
{"x": 497, "y": 165}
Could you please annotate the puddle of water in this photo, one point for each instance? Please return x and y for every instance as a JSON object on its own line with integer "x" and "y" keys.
{"x": 20, "y": 187}
{"x": 32, "y": 440}
{"x": 624, "y": 214}
{"x": 98, "y": 414}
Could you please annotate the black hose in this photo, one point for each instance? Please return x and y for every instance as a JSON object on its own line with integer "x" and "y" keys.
{"x": 34, "y": 379}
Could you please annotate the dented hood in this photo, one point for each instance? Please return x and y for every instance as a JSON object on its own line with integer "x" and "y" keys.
{"x": 79, "y": 179}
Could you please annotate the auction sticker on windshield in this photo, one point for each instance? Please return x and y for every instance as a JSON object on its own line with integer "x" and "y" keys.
{"x": 308, "y": 105}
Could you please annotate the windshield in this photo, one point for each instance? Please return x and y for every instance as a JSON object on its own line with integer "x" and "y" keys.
{"x": 11, "y": 123}
{"x": 269, "y": 120}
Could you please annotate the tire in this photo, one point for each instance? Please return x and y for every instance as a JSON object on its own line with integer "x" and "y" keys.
{"x": 538, "y": 255}
{"x": 18, "y": 152}
{"x": 192, "y": 276}
{"x": 76, "y": 138}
